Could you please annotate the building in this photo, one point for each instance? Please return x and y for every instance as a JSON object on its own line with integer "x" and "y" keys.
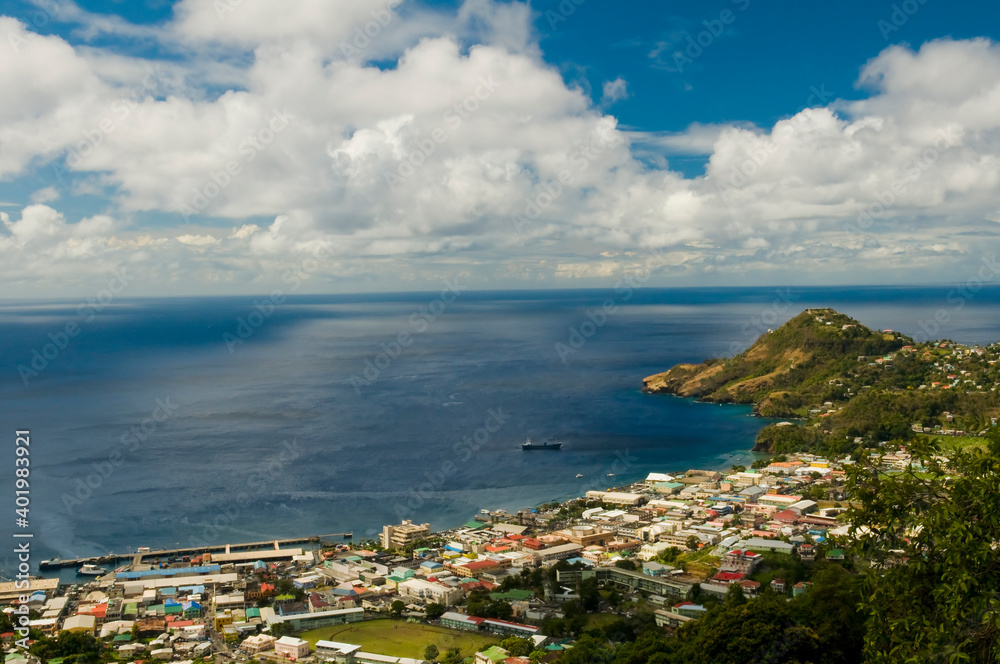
{"x": 429, "y": 591}
{"x": 617, "y": 498}
{"x": 558, "y": 552}
{"x": 341, "y": 653}
{"x": 461, "y": 621}
{"x": 304, "y": 621}
{"x": 505, "y": 627}
{"x": 404, "y": 535}
{"x": 258, "y": 643}
{"x": 80, "y": 623}
{"x": 742, "y": 561}
{"x": 492, "y": 655}
{"x": 291, "y": 648}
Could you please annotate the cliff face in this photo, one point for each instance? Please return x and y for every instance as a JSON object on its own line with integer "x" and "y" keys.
{"x": 784, "y": 369}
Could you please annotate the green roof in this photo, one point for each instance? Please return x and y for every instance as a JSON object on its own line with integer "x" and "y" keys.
{"x": 495, "y": 654}
{"x": 122, "y": 638}
{"x": 253, "y": 612}
{"x": 475, "y": 525}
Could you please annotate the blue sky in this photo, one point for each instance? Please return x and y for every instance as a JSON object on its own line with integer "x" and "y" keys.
{"x": 662, "y": 108}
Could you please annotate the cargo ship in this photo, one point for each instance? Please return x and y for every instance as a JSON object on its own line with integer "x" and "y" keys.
{"x": 528, "y": 445}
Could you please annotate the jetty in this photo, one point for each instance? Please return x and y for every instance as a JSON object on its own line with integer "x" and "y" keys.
{"x": 137, "y": 557}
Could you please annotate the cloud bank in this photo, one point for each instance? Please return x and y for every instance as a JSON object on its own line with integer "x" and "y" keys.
{"x": 409, "y": 146}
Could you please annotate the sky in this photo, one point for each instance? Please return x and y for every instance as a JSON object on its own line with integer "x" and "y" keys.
{"x": 205, "y": 147}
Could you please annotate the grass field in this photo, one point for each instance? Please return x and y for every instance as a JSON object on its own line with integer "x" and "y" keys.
{"x": 398, "y": 638}
{"x": 599, "y": 620}
{"x": 957, "y": 441}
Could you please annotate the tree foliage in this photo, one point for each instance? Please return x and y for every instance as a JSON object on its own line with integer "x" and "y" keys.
{"x": 931, "y": 537}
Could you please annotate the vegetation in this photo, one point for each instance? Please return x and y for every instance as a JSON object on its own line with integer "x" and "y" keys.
{"x": 844, "y": 385}
{"x": 404, "y": 639}
{"x": 929, "y": 534}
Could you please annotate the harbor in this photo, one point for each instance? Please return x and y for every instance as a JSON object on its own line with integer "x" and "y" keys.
{"x": 136, "y": 558}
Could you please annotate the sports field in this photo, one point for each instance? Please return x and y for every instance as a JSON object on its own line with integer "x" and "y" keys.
{"x": 398, "y": 638}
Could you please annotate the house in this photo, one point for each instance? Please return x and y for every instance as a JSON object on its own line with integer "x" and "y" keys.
{"x": 741, "y": 560}
{"x": 492, "y": 655}
{"x": 291, "y": 648}
{"x": 258, "y": 643}
{"x": 778, "y": 585}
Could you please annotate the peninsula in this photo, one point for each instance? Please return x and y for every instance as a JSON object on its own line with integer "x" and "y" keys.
{"x": 842, "y": 385}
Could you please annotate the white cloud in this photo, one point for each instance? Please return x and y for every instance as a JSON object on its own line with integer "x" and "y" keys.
{"x": 614, "y": 91}
{"x": 45, "y": 195}
{"x": 421, "y": 166}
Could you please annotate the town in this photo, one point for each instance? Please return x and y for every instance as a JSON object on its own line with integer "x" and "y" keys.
{"x": 504, "y": 587}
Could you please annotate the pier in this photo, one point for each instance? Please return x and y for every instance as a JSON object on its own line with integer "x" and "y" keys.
{"x": 137, "y": 557}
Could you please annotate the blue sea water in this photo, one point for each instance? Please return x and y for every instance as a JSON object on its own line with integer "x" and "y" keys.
{"x": 281, "y": 433}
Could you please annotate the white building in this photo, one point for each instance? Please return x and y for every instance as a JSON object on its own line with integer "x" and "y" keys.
{"x": 291, "y": 648}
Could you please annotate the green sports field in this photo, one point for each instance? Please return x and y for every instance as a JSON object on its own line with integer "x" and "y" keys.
{"x": 398, "y": 638}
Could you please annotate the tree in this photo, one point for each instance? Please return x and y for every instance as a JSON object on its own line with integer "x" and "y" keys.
{"x": 281, "y": 629}
{"x": 930, "y": 537}
{"x": 625, "y": 564}
{"x": 433, "y": 611}
{"x": 517, "y": 646}
{"x": 692, "y": 542}
{"x": 397, "y": 608}
{"x": 452, "y": 656}
{"x": 431, "y": 652}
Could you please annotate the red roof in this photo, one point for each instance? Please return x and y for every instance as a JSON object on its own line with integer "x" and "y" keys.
{"x": 728, "y": 577}
{"x": 480, "y": 564}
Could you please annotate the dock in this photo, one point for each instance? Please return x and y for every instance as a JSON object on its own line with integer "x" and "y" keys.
{"x": 136, "y": 558}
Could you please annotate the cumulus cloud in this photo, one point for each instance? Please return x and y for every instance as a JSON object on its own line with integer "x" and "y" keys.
{"x": 405, "y": 147}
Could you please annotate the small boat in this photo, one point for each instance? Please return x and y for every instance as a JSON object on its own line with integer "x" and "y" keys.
{"x": 528, "y": 445}
{"x": 579, "y": 475}
{"x": 611, "y": 474}
{"x": 91, "y": 570}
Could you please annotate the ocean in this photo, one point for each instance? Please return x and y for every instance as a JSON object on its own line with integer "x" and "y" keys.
{"x": 163, "y": 422}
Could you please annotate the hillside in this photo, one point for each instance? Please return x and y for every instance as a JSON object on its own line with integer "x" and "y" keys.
{"x": 784, "y": 369}
{"x": 845, "y": 385}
